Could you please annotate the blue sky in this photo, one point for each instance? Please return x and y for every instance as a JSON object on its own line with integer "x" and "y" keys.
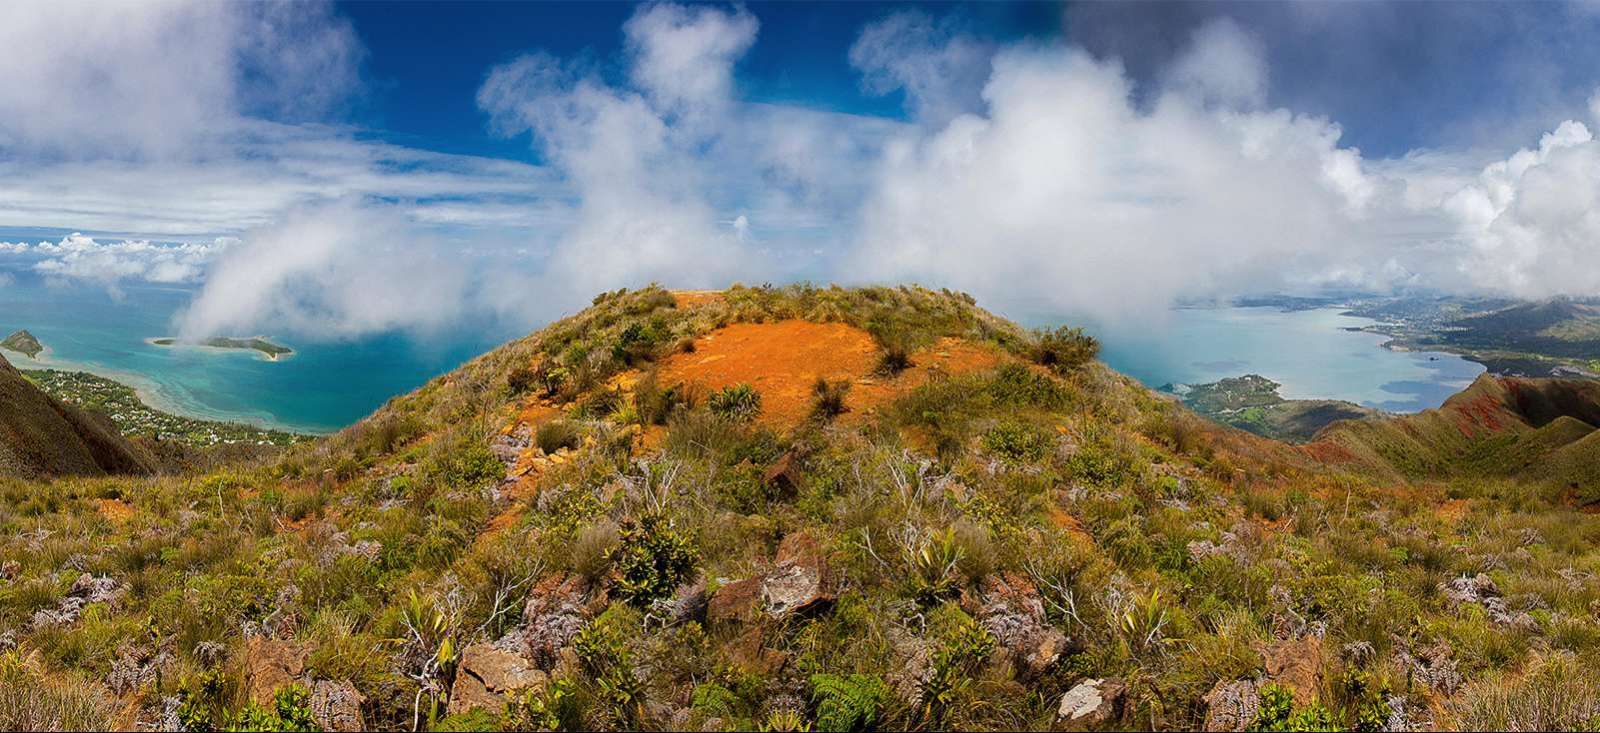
{"x": 366, "y": 167}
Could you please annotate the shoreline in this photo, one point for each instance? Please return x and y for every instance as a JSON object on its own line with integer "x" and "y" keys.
{"x": 149, "y": 392}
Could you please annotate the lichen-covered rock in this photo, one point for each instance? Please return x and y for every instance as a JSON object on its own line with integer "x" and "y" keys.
{"x": 553, "y": 615}
{"x": 336, "y": 706}
{"x": 487, "y": 673}
{"x": 801, "y": 580}
{"x": 1232, "y": 706}
{"x": 1010, "y": 608}
{"x": 1091, "y": 704}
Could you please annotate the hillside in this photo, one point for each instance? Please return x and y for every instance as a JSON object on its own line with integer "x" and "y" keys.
{"x": 819, "y": 508}
{"x": 41, "y": 437}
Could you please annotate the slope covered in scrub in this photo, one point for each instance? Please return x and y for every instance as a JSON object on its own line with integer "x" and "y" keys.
{"x": 674, "y": 511}
{"x": 41, "y": 437}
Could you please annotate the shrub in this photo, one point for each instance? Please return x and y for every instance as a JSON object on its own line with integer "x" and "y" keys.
{"x": 651, "y": 560}
{"x": 557, "y": 434}
{"x": 1555, "y": 693}
{"x": 655, "y": 405}
{"x": 1015, "y": 442}
{"x": 847, "y": 704}
{"x": 1065, "y": 349}
{"x": 828, "y": 397}
{"x": 739, "y": 402}
{"x": 892, "y": 360}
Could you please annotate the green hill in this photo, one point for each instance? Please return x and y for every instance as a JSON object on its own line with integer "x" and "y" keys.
{"x": 819, "y": 508}
{"x": 41, "y": 437}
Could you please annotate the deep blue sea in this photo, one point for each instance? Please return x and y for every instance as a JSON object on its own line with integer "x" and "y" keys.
{"x": 327, "y": 385}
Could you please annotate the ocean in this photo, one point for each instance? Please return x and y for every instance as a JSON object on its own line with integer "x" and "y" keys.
{"x": 327, "y": 385}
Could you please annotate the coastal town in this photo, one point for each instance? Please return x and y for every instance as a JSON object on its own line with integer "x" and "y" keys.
{"x": 134, "y": 418}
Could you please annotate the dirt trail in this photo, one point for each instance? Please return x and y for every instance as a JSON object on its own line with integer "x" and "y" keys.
{"x": 783, "y": 360}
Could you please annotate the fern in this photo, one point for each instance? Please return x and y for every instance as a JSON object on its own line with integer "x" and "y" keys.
{"x": 847, "y": 703}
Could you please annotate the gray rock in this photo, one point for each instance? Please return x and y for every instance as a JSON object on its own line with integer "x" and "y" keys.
{"x": 1232, "y": 706}
{"x": 336, "y": 706}
{"x": 1091, "y": 704}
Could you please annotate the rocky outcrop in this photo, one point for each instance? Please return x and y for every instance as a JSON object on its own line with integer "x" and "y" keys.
{"x": 1296, "y": 664}
{"x": 736, "y": 602}
{"x": 487, "y": 673}
{"x": 1232, "y": 705}
{"x": 1010, "y": 608}
{"x": 336, "y": 706}
{"x": 1091, "y": 704}
{"x": 802, "y": 579}
{"x": 271, "y": 664}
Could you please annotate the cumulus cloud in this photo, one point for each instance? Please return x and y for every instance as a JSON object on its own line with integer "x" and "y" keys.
{"x": 1066, "y": 191}
{"x": 333, "y": 270}
{"x": 112, "y": 263}
{"x": 940, "y": 68}
{"x": 162, "y": 79}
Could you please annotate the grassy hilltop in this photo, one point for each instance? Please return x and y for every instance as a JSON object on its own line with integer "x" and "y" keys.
{"x": 828, "y": 509}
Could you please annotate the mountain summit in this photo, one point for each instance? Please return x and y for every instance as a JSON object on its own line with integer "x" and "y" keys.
{"x": 820, "y": 508}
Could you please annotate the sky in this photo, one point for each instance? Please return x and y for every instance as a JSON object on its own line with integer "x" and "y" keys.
{"x": 342, "y": 170}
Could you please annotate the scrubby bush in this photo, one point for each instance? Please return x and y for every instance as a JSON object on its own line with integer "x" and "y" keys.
{"x": 557, "y": 435}
{"x": 827, "y": 398}
{"x": 655, "y": 405}
{"x": 1016, "y": 442}
{"x": 651, "y": 560}
{"x": 1064, "y": 349}
{"x": 739, "y": 402}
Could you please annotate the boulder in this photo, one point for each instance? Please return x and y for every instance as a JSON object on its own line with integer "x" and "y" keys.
{"x": 1091, "y": 704}
{"x": 336, "y": 706}
{"x": 486, "y": 674}
{"x": 1232, "y": 706}
{"x": 1296, "y": 664}
{"x": 1010, "y": 608}
{"x": 784, "y": 475}
{"x": 271, "y": 664}
{"x": 801, "y": 580}
{"x": 553, "y": 615}
{"x": 739, "y": 601}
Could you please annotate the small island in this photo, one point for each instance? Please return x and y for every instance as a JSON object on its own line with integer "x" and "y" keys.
{"x": 1252, "y": 403}
{"x": 271, "y": 350}
{"x": 23, "y": 342}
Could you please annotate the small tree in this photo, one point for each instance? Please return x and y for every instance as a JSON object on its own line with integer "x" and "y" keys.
{"x": 1064, "y": 349}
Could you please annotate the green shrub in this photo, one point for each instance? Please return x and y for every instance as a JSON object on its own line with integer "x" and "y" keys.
{"x": 847, "y": 703}
{"x": 1016, "y": 442}
{"x": 739, "y": 402}
{"x": 651, "y": 560}
{"x": 558, "y": 434}
{"x": 655, "y": 405}
{"x": 1065, "y": 349}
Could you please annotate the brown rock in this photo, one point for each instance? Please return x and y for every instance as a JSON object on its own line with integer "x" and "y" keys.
{"x": 1010, "y": 608}
{"x": 1091, "y": 704}
{"x": 1232, "y": 705}
{"x": 736, "y": 602}
{"x": 801, "y": 580}
{"x": 784, "y": 474}
{"x": 486, "y": 674}
{"x": 271, "y": 664}
{"x": 554, "y": 613}
{"x": 1296, "y": 664}
{"x": 336, "y": 706}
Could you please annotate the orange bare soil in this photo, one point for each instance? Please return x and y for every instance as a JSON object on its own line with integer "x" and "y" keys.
{"x": 783, "y": 360}
{"x": 691, "y": 298}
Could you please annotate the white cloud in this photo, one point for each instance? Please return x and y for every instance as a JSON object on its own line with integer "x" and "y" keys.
{"x": 940, "y": 68}
{"x": 162, "y": 79}
{"x": 112, "y": 263}
{"x": 1223, "y": 65}
{"x": 334, "y": 270}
